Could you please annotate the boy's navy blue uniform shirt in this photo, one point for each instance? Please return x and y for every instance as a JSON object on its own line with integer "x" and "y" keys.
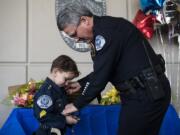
{"x": 49, "y": 102}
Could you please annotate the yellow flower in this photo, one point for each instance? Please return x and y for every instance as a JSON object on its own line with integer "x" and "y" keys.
{"x": 110, "y": 97}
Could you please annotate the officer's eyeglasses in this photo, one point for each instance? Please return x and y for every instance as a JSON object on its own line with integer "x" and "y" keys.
{"x": 73, "y": 34}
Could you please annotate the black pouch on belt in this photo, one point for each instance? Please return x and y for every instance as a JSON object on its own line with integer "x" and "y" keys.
{"x": 152, "y": 84}
{"x": 149, "y": 75}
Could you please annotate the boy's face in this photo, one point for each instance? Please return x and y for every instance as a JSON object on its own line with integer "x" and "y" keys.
{"x": 62, "y": 78}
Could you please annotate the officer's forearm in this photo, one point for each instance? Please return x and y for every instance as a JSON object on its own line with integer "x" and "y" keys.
{"x": 86, "y": 98}
{"x": 83, "y": 80}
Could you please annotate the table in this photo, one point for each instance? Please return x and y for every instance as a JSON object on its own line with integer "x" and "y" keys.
{"x": 95, "y": 120}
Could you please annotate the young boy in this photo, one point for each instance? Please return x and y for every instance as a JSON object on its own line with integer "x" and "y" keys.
{"x": 51, "y": 99}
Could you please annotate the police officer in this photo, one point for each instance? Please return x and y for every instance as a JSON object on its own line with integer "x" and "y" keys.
{"x": 51, "y": 99}
{"x": 121, "y": 55}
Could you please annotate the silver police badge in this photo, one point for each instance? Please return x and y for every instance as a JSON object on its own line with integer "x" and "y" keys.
{"x": 44, "y": 101}
{"x": 99, "y": 42}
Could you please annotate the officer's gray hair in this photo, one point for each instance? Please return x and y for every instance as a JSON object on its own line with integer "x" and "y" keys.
{"x": 71, "y": 15}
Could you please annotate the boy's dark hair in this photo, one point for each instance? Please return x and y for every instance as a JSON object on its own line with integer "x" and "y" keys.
{"x": 66, "y": 64}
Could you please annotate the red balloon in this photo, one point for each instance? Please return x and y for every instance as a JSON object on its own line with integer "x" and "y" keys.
{"x": 145, "y": 23}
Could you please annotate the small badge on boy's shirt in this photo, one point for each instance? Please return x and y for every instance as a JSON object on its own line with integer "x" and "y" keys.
{"x": 42, "y": 113}
{"x": 49, "y": 87}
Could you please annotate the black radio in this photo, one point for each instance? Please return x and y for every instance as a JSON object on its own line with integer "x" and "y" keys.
{"x": 152, "y": 84}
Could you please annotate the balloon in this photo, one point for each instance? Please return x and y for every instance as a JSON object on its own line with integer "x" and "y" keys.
{"x": 160, "y": 17}
{"x": 159, "y": 2}
{"x": 144, "y": 23}
{"x": 170, "y": 12}
{"x": 151, "y": 4}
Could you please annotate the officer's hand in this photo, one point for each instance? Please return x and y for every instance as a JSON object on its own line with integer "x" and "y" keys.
{"x": 72, "y": 87}
{"x": 69, "y": 108}
{"x": 71, "y": 119}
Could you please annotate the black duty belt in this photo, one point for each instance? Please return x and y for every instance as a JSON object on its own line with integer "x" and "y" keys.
{"x": 137, "y": 81}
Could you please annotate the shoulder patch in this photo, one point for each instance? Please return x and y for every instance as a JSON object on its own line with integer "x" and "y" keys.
{"x": 99, "y": 42}
{"x": 44, "y": 101}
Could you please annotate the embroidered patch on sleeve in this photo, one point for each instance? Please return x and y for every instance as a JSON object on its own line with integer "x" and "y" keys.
{"x": 99, "y": 42}
{"x": 44, "y": 101}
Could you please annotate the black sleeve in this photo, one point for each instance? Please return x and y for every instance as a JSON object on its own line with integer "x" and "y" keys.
{"x": 83, "y": 80}
{"x": 50, "y": 119}
{"x": 103, "y": 65}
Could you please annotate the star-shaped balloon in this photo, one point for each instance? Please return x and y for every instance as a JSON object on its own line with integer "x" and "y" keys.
{"x": 147, "y": 5}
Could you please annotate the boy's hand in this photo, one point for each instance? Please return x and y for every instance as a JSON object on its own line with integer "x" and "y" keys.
{"x": 70, "y": 119}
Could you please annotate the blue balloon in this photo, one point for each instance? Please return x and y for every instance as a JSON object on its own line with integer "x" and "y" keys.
{"x": 160, "y": 3}
{"x": 151, "y": 4}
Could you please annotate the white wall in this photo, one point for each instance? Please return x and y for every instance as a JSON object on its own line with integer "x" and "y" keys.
{"x": 30, "y": 40}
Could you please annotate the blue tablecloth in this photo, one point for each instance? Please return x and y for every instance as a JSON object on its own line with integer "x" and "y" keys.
{"x": 95, "y": 120}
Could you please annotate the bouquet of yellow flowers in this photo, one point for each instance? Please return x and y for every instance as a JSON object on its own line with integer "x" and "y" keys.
{"x": 23, "y": 95}
{"x": 110, "y": 97}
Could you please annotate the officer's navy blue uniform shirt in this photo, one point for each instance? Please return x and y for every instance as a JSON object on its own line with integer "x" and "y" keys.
{"x": 49, "y": 102}
{"x": 119, "y": 56}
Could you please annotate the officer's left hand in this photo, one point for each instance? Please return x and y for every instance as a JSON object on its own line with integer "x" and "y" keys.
{"x": 69, "y": 108}
{"x": 73, "y": 87}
